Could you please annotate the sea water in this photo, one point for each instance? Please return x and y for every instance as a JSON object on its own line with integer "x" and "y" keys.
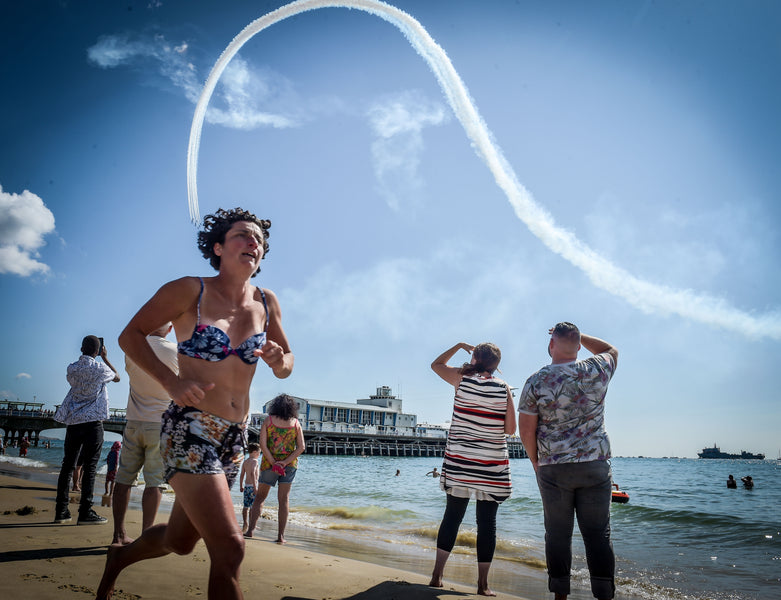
{"x": 682, "y": 535}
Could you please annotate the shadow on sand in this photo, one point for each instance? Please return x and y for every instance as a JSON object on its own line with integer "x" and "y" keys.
{"x": 397, "y": 590}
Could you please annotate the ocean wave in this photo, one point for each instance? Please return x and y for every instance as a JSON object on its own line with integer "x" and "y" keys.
{"x": 695, "y": 525}
{"x": 466, "y": 541}
{"x": 367, "y": 513}
{"x": 347, "y": 527}
{"x": 22, "y": 462}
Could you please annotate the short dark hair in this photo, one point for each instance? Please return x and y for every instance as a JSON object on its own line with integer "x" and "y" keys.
{"x": 90, "y": 345}
{"x": 253, "y": 447}
{"x": 284, "y": 407}
{"x": 215, "y": 227}
{"x": 487, "y": 358}
{"x": 567, "y": 331}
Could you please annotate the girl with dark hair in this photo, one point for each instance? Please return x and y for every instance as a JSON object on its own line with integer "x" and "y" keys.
{"x": 476, "y": 463}
{"x": 282, "y": 442}
{"x": 225, "y": 327}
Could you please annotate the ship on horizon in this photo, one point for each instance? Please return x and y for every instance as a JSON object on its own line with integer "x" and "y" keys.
{"x": 716, "y": 452}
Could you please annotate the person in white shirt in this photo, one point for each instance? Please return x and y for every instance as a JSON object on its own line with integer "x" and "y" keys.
{"x": 146, "y": 404}
{"x": 83, "y": 411}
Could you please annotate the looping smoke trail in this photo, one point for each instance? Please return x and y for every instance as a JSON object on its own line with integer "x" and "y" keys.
{"x": 644, "y": 295}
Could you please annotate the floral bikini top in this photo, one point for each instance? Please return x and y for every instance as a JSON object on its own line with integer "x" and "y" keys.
{"x": 212, "y": 343}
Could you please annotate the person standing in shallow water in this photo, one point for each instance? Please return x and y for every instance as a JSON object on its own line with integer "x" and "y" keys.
{"x": 562, "y": 427}
{"x": 225, "y": 327}
{"x": 476, "y": 464}
{"x": 282, "y": 442}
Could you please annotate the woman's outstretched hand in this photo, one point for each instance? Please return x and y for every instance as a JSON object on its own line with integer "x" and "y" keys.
{"x": 271, "y": 353}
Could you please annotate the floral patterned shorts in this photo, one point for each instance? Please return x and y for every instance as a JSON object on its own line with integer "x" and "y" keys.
{"x": 192, "y": 441}
{"x": 249, "y": 496}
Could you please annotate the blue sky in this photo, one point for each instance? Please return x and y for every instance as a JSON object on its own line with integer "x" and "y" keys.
{"x": 646, "y": 134}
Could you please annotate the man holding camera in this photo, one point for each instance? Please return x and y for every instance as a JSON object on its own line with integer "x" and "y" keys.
{"x": 83, "y": 411}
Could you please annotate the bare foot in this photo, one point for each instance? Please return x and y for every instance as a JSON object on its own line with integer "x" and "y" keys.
{"x": 110, "y": 574}
{"x": 486, "y": 591}
{"x": 281, "y": 540}
{"x": 436, "y": 581}
{"x": 248, "y": 534}
{"x": 122, "y": 540}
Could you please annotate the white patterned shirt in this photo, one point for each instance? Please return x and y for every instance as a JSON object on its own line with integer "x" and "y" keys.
{"x": 569, "y": 402}
{"x": 87, "y": 399}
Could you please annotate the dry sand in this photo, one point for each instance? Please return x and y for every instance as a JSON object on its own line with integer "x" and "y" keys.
{"x": 41, "y": 560}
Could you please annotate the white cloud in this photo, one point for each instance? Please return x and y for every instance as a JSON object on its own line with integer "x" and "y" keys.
{"x": 405, "y": 298}
{"x": 242, "y": 90}
{"x": 24, "y": 221}
{"x": 23, "y": 376}
{"x": 398, "y": 124}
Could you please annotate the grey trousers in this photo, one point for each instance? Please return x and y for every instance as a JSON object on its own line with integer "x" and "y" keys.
{"x": 581, "y": 490}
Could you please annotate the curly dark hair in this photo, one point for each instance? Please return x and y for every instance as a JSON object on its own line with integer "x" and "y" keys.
{"x": 283, "y": 406}
{"x": 487, "y": 358}
{"x": 217, "y": 225}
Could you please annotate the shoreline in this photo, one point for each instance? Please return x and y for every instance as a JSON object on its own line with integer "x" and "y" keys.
{"x": 40, "y": 559}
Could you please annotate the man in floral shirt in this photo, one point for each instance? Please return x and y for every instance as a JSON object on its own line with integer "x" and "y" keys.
{"x": 561, "y": 424}
{"x": 83, "y": 411}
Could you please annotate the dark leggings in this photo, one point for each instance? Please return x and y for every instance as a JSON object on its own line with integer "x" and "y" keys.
{"x": 486, "y": 526}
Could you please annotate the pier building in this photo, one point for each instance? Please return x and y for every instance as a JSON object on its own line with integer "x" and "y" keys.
{"x": 373, "y": 426}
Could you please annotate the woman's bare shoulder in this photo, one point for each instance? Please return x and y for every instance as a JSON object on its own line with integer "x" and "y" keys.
{"x": 183, "y": 285}
{"x": 270, "y": 295}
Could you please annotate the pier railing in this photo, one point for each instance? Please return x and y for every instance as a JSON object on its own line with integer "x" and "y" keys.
{"x": 17, "y": 424}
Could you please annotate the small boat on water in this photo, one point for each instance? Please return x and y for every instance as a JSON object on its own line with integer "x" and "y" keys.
{"x": 618, "y": 495}
{"x": 716, "y": 452}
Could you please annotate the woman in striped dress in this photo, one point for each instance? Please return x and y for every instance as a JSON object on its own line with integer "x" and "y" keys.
{"x": 476, "y": 462}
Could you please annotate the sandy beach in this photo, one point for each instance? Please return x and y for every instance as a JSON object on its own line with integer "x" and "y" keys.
{"x": 41, "y": 560}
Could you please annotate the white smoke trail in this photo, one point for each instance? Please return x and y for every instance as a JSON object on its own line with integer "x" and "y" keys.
{"x": 644, "y": 295}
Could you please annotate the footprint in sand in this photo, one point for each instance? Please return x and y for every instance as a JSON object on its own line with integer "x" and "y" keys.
{"x": 34, "y": 577}
{"x": 193, "y": 590}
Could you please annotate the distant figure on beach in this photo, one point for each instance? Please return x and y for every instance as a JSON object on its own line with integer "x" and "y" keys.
{"x": 2, "y": 445}
{"x": 282, "y": 442}
{"x": 248, "y": 481}
{"x": 561, "y": 423}
{"x": 476, "y": 463}
{"x": 748, "y": 483}
{"x": 83, "y": 411}
{"x": 434, "y": 473}
{"x": 225, "y": 326}
{"x": 23, "y": 446}
{"x": 731, "y": 483}
{"x": 147, "y": 401}
{"x": 112, "y": 462}
{"x": 398, "y": 472}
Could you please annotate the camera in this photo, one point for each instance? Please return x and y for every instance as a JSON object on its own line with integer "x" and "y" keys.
{"x": 100, "y": 349}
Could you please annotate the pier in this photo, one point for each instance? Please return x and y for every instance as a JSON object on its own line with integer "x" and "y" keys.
{"x": 28, "y": 419}
{"x": 346, "y": 443}
{"x": 20, "y": 419}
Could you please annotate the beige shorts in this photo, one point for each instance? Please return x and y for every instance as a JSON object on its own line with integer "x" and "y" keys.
{"x": 141, "y": 448}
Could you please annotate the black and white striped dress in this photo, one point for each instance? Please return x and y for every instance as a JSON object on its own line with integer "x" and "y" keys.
{"x": 476, "y": 462}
